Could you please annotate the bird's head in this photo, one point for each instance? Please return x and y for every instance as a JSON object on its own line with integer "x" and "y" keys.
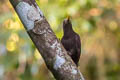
{"x": 67, "y": 22}
{"x": 67, "y": 26}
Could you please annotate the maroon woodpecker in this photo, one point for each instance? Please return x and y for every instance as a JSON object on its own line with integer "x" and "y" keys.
{"x": 71, "y": 41}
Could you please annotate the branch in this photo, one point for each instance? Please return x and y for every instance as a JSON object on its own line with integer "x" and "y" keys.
{"x": 53, "y": 53}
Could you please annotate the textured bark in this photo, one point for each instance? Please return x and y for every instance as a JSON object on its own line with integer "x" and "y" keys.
{"x": 53, "y": 53}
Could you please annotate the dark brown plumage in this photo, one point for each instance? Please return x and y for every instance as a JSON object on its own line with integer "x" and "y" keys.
{"x": 71, "y": 41}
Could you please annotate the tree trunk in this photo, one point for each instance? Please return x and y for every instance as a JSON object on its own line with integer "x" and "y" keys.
{"x": 53, "y": 53}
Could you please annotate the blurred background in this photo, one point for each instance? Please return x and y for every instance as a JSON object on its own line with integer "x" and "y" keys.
{"x": 96, "y": 21}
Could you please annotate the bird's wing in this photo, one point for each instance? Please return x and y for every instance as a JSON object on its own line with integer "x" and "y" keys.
{"x": 78, "y": 45}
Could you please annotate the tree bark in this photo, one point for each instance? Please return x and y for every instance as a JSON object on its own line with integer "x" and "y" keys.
{"x": 53, "y": 53}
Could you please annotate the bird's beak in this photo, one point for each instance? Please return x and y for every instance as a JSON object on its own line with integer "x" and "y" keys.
{"x": 68, "y": 18}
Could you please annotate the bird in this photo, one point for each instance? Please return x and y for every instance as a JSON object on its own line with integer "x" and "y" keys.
{"x": 71, "y": 41}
